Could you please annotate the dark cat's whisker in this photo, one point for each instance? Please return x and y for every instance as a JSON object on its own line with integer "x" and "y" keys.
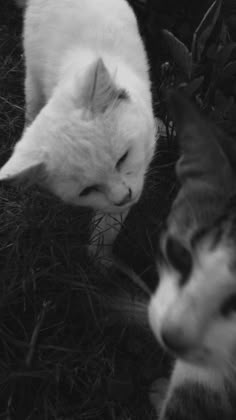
{"x": 231, "y": 369}
{"x": 131, "y": 310}
{"x": 127, "y": 271}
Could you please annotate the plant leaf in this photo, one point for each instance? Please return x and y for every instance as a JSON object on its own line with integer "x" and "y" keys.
{"x": 221, "y": 101}
{"x": 193, "y": 86}
{"x": 224, "y": 54}
{"x": 180, "y": 53}
{"x": 229, "y": 70}
{"x": 205, "y": 29}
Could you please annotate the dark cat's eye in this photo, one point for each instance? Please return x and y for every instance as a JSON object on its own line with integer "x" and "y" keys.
{"x": 123, "y": 95}
{"x": 229, "y": 305}
{"x": 179, "y": 257}
{"x": 88, "y": 190}
{"x": 122, "y": 159}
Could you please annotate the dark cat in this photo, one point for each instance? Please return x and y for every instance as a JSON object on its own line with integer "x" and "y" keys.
{"x": 193, "y": 311}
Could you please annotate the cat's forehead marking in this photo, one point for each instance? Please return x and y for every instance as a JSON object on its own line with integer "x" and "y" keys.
{"x": 214, "y": 262}
{"x": 210, "y": 282}
{"x": 212, "y": 275}
{"x": 221, "y": 235}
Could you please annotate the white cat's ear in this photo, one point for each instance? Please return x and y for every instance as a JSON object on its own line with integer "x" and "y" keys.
{"x": 100, "y": 90}
{"x": 24, "y": 167}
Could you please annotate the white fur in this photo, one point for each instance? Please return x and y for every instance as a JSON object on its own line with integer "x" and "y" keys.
{"x": 186, "y": 374}
{"x": 76, "y": 136}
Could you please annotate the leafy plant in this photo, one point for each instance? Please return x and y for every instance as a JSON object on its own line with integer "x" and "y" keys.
{"x": 207, "y": 71}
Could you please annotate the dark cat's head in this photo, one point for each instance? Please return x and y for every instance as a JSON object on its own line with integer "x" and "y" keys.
{"x": 193, "y": 311}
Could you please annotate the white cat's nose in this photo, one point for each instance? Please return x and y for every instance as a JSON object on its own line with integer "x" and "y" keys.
{"x": 125, "y": 199}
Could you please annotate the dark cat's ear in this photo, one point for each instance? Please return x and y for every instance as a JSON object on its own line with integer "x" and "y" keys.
{"x": 201, "y": 155}
{"x": 100, "y": 90}
{"x": 206, "y": 177}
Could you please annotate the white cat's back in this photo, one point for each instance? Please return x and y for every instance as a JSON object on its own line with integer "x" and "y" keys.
{"x": 90, "y": 129}
{"x": 102, "y": 28}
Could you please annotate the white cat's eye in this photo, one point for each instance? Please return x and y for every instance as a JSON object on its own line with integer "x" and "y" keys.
{"x": 88, "y": 190}
{"x": 122, "y": 159}
{"x": 179, "y": 257}
{"x": 229, "y": 306}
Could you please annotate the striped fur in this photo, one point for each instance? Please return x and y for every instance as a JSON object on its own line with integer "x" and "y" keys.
{"x": 193, "y": 311}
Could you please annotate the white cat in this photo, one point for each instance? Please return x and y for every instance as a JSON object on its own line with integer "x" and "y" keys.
{"x": 90, "y": 132}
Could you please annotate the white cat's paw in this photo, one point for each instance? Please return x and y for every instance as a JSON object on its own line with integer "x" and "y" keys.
{"x": 158, "y": 393}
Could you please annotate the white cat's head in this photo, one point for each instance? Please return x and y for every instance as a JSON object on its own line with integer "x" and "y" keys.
{"x": 193, "y": 310}
{"x": 90, "y": 150}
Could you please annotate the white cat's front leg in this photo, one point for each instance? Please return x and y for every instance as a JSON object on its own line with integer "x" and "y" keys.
{"x": 106, "y": 229}
{"x": 33, "y": 97}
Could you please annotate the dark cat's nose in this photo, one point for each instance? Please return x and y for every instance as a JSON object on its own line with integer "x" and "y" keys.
{"x": 125, "y": 199}
{"x": 175, "y": 341}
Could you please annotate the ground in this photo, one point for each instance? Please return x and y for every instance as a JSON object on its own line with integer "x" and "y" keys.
{"x": 71, "y": 346}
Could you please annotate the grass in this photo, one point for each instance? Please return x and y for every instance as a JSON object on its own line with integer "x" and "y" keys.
{"x": 74, "y": 342}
